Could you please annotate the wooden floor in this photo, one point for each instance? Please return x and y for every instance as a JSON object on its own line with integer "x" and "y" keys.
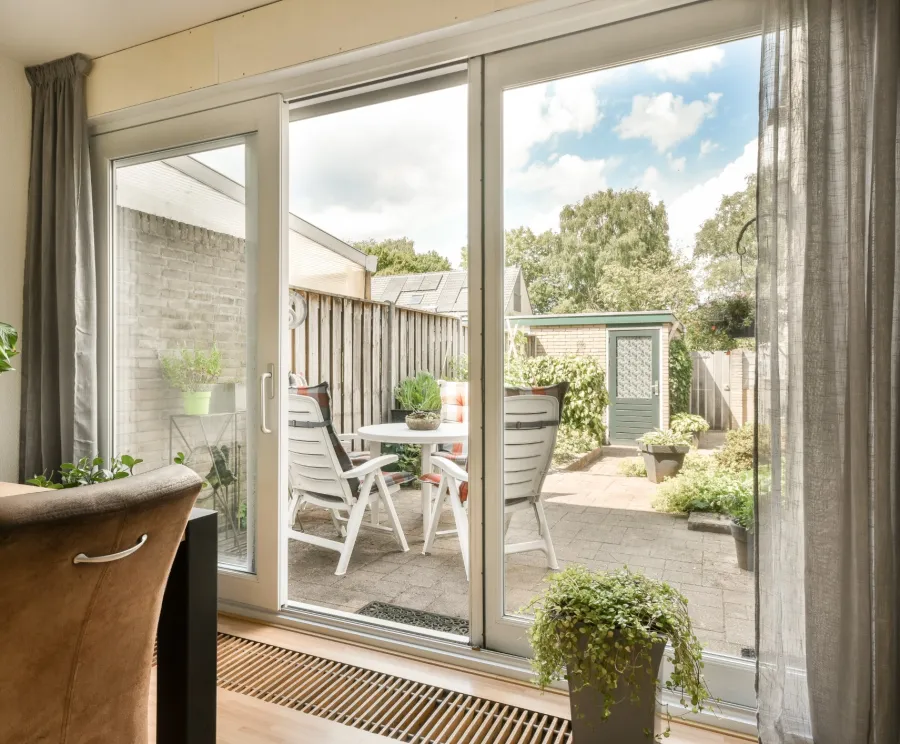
{"x": 244, "y": 720}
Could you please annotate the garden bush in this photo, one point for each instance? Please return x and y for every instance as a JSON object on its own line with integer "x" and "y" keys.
{"x": 586, "y": 400}
{"x": 681, "y": 370}
{"x": 571, "y": 444}
{"x": 704, "y": 487}
{"x": 689, "y": 423}
{"x": 633, "y": 467}
{"x": 737, "y": 454}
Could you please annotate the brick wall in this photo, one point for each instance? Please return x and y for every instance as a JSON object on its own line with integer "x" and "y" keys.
{"x": 561, "y": 340}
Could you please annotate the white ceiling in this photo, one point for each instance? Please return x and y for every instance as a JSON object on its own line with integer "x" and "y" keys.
{"x": 35, "y": 31}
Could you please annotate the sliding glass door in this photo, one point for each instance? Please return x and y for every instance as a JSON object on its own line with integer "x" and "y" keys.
{"x": 606, "y": 182}
{"x": 190, "y": 230}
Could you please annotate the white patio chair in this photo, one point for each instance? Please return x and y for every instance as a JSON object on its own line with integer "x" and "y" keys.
{"x": 531, "y": 423}
{"x": 321, "y": 475}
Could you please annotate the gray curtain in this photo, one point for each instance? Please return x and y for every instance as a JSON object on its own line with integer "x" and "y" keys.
{"x": 829, "y": 373}
{"x": 59, "y": 330}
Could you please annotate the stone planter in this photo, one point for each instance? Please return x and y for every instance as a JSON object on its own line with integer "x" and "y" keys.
{"x": 423, "y": 424}
{"x": 744, "y": 547}
{"x": 628, "y": 721}
{"x": 663, "y": 460}
{"x": 197, "y": 403}
{"x": 398, "y": 415}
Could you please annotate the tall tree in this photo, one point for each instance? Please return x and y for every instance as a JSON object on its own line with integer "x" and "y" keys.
{"x": 539, "y": 258}
{"x": 398, "y": 256}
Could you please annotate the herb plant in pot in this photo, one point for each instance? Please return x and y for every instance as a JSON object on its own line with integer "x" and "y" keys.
{"x": 691, "y": 425}
{"x": 663, "y": 451}
{"x": 605, "y": 633}
{"x": 194, "y": 372}
{"x": 742, "y": 521}
{"x": 420, "y": 394}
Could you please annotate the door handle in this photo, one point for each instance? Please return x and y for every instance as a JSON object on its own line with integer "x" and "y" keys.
{"x": 262, "y": 400}
{"x": 656, "y": 387}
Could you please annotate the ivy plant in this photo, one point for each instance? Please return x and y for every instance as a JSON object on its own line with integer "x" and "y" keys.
{"x": 8, "y": 339}
{"x": 681, "y": 372}
{"x": 600, "y": 629}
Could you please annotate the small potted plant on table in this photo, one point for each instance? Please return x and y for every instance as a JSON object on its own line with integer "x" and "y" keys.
{"x": 691, "y": 425}
{"x": 605, "y": 633}
{"x": 194, "y": 372}
{"x": 419, "y": 402}
{"x": 663, "y": 451}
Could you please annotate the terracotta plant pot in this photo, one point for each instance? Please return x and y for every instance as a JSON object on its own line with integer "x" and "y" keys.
{"x": 744, "y": 547}
{"x": 662, "y": 460}
{"x": 627, "y": 721}
{"x": 417, "y": 423}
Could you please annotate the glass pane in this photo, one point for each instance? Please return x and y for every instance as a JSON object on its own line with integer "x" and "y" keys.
{"x": 386, "y": 182}
{"x": 625, "y": 191}
{"x": 183, "y": 352}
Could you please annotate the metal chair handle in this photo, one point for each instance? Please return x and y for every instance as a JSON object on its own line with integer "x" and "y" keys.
{"x": 82, "y": 558}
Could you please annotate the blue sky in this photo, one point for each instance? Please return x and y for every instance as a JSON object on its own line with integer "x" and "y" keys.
{"x": 682, "y": 127}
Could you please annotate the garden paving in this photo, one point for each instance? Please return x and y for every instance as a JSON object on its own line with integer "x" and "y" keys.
{"x": 597, "y": 518}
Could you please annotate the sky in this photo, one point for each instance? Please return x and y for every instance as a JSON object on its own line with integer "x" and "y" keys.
{"x": 682, "y": 127}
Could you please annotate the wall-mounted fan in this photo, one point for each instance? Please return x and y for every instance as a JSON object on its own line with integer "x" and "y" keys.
{"x": 297, "y": 310}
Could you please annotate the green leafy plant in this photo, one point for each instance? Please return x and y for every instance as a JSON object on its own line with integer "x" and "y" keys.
{"x": 705, "y": 488}
{"x": 458, "y": 368}
{"x": 689, "y": 424}
{"x": 86, "y": 472}
{"x": 8, "y": 339}
{"x": 419, "y": 393}
{"x": 192, "y": 370}
{"x": 664, "y": 438}
{"x": 737, "y": 453}
{"x": 681, "y": 373}
{"x": 586, "y": 400}
{"x": 602, "y": 627}
{"x": 633, "y": 467}
{"x": 409, "y": 459}
{"x": 740, "y": 509}
{"x": 571, "y": 444}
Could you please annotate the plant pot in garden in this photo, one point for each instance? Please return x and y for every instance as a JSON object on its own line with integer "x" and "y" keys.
{"x": 744, "y": 547}
{"x": 196, "y": 403}
{"x": 663, "y": 460}
{"x": 628, "y": 721}
{"x": 424, "y": 420}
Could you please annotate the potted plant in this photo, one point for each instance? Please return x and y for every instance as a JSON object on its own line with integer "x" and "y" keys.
{"x": 663, "y": 451}
{"x": 87, "y": 471}
{"x": 8, "y": 338}
{"x": 193, "y": 372}
{"x": 423, "y": 420}
{"x": 691, "y": 425}
{"x": 742, "y": 522}
{"x": 605, "y": 633}
{"x": 416, "y": 394}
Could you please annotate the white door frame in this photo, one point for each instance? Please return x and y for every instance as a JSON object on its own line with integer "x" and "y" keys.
{"x": 662, "y": 33}
{"x": 265, "y": 121}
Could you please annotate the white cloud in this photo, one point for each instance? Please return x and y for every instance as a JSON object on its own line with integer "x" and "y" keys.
{"x": 650, "y": 182}
{"x": 676, "y": 164}
{"x": 708, "y": 146}
{"x": 680, "y": 67}
{"x": 666, "y": 119}
{"x": 690, "y": 210}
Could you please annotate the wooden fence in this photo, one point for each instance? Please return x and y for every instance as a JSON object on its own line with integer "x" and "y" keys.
{"x": 722, "y": 387}
{"x": 364, "y": 348}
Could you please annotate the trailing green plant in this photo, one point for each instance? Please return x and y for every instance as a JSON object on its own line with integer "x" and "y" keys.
{"x": 689, "y": 424}
{"x": 600, "y": 628}
{"x": 681, "y": 373}
{"x": 572, "y": 444}
{"x": 458, "y": 368}
{"x": 740, "y": 509}
{"x": 633, "y": 467}
{"x": 703, "y": 489}
{"x": 737, "y": 453}
{"x": 86, "y": 472}
{"x": 419, "y": 393}
{"x": 586, "y": 400}
{"x": 192, "y": 370}
{"x": 8, "y": 339}
{"x": 664, "y": 438}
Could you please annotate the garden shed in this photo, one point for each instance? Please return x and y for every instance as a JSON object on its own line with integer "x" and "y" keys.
{"x": 634, "y": 350}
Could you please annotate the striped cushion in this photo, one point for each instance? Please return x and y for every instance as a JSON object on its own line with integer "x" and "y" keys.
{"x": 359, "y": 457}
{"x": 455, "y": 408}
{"x": 435, "y": 480}
{"x": 461, "y": 460}
{"x": 397, "y": 478}
{"x": 322, "y": 396}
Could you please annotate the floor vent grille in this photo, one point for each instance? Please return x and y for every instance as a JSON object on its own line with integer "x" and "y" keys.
{"x": 378, "y": 703}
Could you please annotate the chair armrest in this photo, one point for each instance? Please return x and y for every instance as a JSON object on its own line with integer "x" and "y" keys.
{"x": 450, "y": 468}
{"x": 346, "y": 437}
{"x": 376, "y": 463}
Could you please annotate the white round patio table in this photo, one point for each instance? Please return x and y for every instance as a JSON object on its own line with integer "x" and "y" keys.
{"x": 449, "y": 432}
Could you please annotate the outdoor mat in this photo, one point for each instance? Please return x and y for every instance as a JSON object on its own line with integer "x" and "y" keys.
{"x": 416, "y": 618}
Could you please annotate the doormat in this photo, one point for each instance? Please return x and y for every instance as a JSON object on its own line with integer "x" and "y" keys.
{"x": 415, "y": 618}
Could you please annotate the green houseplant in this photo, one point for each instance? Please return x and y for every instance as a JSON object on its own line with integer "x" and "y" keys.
{"x": 663, "y": 451}
{"x": 605, "y": 633}
{"x": 8, "y": 339}
{"x": 420, "y": 394}
{"x": 740, "y": 509}
{"x": 691, "y": 425}
{"x": 193, "y": 372}
{"x": 87, "y": 471}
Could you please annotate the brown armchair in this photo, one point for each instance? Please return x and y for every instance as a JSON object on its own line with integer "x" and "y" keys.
{"x": 82, "y": 574}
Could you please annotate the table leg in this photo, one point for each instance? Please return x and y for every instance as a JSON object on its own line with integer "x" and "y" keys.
{"x": 427, "y": 449}
{"x": 374, "y": 504}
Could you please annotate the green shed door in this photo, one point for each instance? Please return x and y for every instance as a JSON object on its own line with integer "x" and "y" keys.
{"x": 633, "y": 384}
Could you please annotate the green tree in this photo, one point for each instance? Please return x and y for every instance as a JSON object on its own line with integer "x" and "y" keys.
{"x": 398, "y": 256}
{"x": 716, "y": 246}
{"x": 540, "y": 259}
{"x": 642, "y": 286}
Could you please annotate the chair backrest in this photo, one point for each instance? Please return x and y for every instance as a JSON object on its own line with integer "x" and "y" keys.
{"x": 316, "y": 455}
{"x": 455, "y": 408}
{"x": 531, "y": 418}
{"x": 76, "y": 640}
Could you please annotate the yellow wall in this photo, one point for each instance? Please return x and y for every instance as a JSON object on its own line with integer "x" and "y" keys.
{"x": 279, "y": 35}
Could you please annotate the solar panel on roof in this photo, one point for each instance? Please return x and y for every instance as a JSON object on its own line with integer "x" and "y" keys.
{"x": 413, "y": 284}
{"x": 449, "y": 293}
{"x": 393, "y": 290}
{"x": 430, "y": 282}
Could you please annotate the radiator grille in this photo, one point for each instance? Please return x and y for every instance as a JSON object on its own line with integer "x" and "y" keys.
{"x": 376, "y": 702}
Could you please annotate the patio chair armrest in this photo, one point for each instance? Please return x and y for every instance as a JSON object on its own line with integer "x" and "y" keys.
{"x": 376, "y": 463}
{"x": 450, "y": 468}
{"x": 347, "y": 437}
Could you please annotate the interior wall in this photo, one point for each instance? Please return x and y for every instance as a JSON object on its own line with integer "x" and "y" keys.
{"x": 15, "y": 134}
{"x": 272, "y": 37}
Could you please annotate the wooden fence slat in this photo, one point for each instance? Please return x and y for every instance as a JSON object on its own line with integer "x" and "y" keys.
{"x": 370, "y": 364}
{"x": 357, "y": 380}
{"x": 325, "y": 341}
{"x": 312, "y": 334}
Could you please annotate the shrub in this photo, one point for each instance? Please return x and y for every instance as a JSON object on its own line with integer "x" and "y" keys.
{"x": 689, "y": 424}
{"x": 681, "y": 371}
{"x": 571, "y": 444}
{"x": 737, "y": 454}
{"x": 586, "y": 400}
{"x": 664, "y": 438}
{"x": 633, "y": 467}
{"x": 703, "y": 488}
{"x": 419, "y": 393}
{"x": 741, "y": 510}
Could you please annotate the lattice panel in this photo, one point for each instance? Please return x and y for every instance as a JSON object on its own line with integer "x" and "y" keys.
{"x": 634, "y": 367}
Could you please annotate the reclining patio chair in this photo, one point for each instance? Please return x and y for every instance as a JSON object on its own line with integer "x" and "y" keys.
{"x": 531, "y": 420}
{"x": 322, "y": 475}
